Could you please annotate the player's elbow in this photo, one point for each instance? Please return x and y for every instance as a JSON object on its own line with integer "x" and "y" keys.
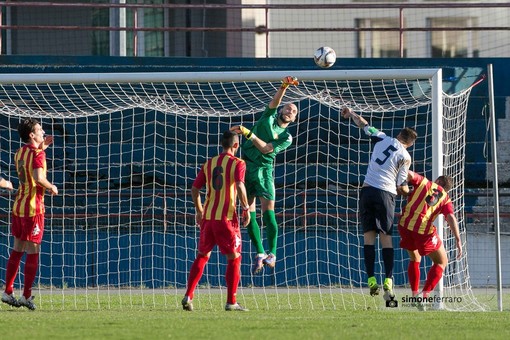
{"x": 40, "y": 180}
{"x": 194, "y": 192}
{"x": 452, "y": 221}
{"x": 403, "y": 190}
{"x": 268, "y": 148}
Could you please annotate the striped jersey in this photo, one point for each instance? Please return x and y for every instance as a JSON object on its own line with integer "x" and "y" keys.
{"x": 424, "y": 204}
{"x": 220, "y": 174}
{"x": 389, "y": 162}
{"x": 268, "y": 130}
{"x": 30, "y": 196}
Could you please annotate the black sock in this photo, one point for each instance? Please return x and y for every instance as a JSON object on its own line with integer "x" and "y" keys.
{"x": 369, "y": 251}
{"x": 387, "y": 254}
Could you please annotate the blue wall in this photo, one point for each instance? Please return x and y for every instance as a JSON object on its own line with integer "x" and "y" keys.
{"x": 457, "y": 73}
{"x": 159, "y": 260}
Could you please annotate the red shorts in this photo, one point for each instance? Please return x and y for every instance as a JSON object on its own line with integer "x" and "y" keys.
{"x": 425, "y": 244}
{"x": 225, "y": 234}
{"x": 28, "y": 228}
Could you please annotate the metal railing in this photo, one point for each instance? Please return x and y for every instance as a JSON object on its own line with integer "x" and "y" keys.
{"x": 133, "y": 12}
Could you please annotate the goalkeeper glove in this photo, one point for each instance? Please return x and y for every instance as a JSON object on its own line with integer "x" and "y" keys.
{"x": 246, "y": 132}
{"x": 287, "y": 81}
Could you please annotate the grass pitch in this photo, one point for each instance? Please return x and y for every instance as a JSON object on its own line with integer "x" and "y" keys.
{"x": 171, "y": 322}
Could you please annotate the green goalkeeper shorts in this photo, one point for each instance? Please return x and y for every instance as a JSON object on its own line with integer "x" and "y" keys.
{"x": 259, "y": 181}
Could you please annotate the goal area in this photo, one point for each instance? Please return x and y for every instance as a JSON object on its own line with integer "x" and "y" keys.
{"x": 127, "y": 147}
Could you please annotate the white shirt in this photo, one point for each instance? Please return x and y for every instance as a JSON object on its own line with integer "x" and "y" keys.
{"x": 389, "y": 162}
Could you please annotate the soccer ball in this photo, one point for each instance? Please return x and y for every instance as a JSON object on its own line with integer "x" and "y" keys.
{"x": 324, "y": 57}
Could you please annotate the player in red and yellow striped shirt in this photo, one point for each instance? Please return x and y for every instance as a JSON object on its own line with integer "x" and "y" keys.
{"x": 418, "y": 234}
{"x": 223, "y": 177}
{"x": 28, "y": 210}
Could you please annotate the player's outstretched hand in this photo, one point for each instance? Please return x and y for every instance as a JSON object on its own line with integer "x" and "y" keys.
{"x": 242, "y": 130}
{"x": 346, "y": 112}
{"x": 287, "y": 81}
{"x": 48, "y": 139}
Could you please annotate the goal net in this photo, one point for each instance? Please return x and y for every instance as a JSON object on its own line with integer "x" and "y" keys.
{"x": 127, "y": 147}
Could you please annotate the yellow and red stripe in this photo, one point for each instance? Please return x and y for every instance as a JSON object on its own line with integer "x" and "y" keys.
{"x": 29, "y": 197}
{"x": 221, "y": 195}
{"x": 418, "y": 215}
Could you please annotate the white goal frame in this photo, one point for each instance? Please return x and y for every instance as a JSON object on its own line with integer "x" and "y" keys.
{"x": 435, "y": 74}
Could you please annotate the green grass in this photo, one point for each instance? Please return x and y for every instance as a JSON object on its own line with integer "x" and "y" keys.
{"x": 212, "y": 322}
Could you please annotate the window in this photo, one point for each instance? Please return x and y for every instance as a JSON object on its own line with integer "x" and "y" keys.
{"x": 455, "y": 43}
{"x": 149, "y": 43}
{"x": 378, "y": 43}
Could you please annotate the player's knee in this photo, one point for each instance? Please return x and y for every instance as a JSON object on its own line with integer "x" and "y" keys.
{"x": 205, "y": 256}
{"x": 440, "y": 258}
{"x": 234, "y": 256}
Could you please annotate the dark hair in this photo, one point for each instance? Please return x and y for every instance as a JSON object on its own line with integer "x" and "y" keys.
{"x": 445, "y": 181}
{"x": 408, "y": 135}
{"x": 228, "y": 139}
{"x": 26, "y": 127}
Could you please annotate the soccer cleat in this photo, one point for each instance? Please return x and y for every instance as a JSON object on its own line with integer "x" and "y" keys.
{"x": 10, "y": 299}
{"x": 421, "y": 306}
{"x": 374, "y": 287}
{"x": 29, "y": 303}
{"x": 187, "y": 304}
{"x": 270, "y": 261}
{"x": 388, "y": 289}
{"x": 258, "y": 264}
{"x": 235, "y": 307}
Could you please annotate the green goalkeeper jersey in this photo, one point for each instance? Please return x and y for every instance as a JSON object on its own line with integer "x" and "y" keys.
{"x": 268, "y": 130}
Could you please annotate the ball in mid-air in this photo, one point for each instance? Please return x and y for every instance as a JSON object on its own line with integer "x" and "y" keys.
{"x": 324, "y": 57}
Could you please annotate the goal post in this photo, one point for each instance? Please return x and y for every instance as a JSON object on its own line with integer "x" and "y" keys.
{"x": 212, "y": 77}
{"x": 128, "y": 146}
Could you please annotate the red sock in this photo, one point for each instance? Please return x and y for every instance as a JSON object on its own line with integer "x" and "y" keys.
{"x": 413, "y": 271}
{"x": 233, "y": 276}
{"x": 195, "y": 273}
{"x": 31, "y": 265}
{"x": 12, "y": 270}
{"x": 434, "y": 275}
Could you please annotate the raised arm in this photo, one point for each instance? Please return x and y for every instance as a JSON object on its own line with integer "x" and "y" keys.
{"x": 277, "y": 99}
{"x": 48, "y": 140}
{"x": 262, "y": 146}
{"x": 358, "y": 120}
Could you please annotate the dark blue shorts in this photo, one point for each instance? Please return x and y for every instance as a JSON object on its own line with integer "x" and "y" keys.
{"x": 376, "y": 210}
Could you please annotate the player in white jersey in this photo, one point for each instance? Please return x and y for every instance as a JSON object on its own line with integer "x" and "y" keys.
{"x": 386, "y": 177}
{"x": 389, "y": 162}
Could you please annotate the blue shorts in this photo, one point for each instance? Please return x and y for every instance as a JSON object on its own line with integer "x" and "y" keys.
{"x": 377, "y": 210}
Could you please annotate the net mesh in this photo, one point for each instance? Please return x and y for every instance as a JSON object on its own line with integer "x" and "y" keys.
{"x": 122, "y": 228}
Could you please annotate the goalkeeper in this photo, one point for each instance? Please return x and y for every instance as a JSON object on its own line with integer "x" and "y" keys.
{"x": 266, "y": 139}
